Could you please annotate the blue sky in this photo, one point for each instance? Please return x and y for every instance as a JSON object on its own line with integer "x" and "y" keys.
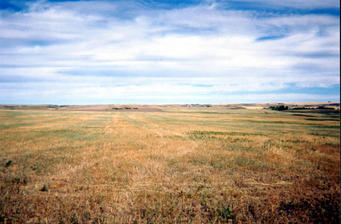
{"x": 153, "y": 51}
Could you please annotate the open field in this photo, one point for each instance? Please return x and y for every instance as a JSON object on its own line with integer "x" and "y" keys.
{"x": 170, "y": 165}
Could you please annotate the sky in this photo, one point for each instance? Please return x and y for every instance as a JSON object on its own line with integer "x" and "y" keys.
{"x": 160, "y": 52}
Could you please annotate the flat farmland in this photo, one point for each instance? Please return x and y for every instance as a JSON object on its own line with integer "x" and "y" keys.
{"x": 176, "y": 165}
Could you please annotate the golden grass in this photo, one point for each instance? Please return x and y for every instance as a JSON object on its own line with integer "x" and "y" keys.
{"x": 179, "y": 166}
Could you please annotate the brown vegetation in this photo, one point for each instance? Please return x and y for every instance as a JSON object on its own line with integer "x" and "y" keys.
{"x": 182, "y": 165}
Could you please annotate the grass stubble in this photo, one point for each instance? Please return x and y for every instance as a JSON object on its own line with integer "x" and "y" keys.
{"x": 245, "y": 166}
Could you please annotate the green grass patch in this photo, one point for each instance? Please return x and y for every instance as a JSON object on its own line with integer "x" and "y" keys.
{"x": 212, "y": 134}
{"x": 72, "y": 134}
{"x": 15, "y": 125}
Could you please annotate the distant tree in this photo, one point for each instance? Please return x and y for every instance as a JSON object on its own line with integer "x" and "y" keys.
{"x": 279, "y": 107}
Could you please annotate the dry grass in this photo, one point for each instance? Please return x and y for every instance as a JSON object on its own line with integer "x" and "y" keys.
{"x": 185, "y": 165}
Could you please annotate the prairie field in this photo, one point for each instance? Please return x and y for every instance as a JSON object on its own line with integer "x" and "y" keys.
{"x": 176, "y": 165}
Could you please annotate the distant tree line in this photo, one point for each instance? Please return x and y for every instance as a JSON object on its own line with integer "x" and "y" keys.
{"x": 279, "y": 107}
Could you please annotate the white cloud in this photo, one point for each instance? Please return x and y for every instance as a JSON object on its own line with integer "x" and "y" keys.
{"x": 154, "y": 52}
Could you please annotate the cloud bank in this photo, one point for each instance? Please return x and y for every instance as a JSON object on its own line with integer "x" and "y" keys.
{"x": 85, "y": 52}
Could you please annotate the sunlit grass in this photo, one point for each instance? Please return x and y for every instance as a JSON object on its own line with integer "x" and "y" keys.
{"x": 200, "y": 165}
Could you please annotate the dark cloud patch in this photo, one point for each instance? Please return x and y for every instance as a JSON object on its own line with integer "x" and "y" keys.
{"x": 319, "y": 54}
{"x": 315, "y": 68}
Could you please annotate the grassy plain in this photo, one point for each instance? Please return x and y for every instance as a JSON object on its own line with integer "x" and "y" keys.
{"x": 182, "y": 165}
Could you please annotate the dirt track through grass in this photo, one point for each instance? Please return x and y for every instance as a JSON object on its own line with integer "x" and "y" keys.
{"x": 177, "y": 166}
